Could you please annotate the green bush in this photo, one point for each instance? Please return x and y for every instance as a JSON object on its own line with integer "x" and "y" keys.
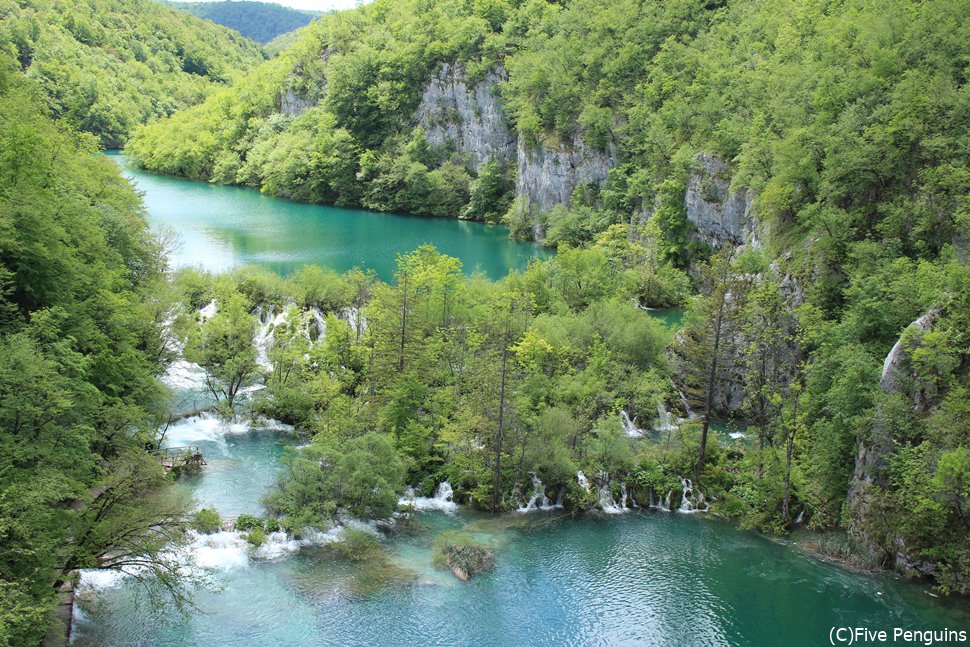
{"x": 207, "y": 521}
{"x": 247, "y": 522}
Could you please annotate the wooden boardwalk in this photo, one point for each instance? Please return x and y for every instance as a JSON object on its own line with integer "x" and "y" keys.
{"x": 177, "y": 457}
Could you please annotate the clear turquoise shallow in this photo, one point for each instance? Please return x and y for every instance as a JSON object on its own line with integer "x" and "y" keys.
{"x": 223, "y": 226}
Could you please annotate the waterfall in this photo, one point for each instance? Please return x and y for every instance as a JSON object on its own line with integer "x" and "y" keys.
{"x": 630, "y": 426}
{"x": 538, "y": 499}
{"x": 354, "y": 318}
{"x": 660, "y": 504}
{"x": 269, "y": 321}
{"x": 316, "y": 330}
{"x": 683, "y": 400}
{"x": 583, "y": 481}
{"x": 665, "y": 421}
{"x": 607, "y": 502}
{"x": 691, "y": 501}
{"x": 628, "y": 495}
{"x": 440, "y": 501}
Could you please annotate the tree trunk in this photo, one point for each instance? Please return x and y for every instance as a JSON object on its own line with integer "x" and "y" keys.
{"x": 711, "y": 389}
{"x": 499, "y": 437}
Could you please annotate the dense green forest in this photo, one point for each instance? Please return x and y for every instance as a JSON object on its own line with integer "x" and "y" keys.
{"x": 258, "y": 21}
{"x": 835, "y": 326}
{"x": 80, "y": 348}
{"x": 111, "y": 65}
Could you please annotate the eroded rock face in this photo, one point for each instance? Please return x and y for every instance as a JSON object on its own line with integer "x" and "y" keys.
{"x": 718, "y": 215}
{"x": 873, "y": 450}
{"x": 548, "y": 173}
{"x": 466, "y": 117}
{"x": 292, "y": 104}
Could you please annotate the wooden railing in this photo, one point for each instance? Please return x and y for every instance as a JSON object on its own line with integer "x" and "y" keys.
{"x": 173, "y": 457}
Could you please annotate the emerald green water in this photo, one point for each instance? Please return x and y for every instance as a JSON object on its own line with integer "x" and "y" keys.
{"x": 221, "y": 227}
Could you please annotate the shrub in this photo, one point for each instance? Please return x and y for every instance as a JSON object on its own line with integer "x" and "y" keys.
{"x": 206, "y": 521}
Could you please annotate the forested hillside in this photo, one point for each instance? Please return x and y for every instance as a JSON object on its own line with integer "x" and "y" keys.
{"x": 258, "y": 21}
{"x": 81, "y": 308}
{"x": 807, "y": 163}
{"x": 111, "y": 65}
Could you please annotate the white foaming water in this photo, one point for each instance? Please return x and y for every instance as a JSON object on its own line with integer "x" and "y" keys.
{"x": 317, "y": 320}
{"x": 582, "y": 480}
{"x": 630, "y": 426}
{"x": 97, "y": 580}
{"x": 440, "y": 501}
{"x": 691, "y": 500}
{"x": 184, "y": 375}
{"x": 661, "y": 504}
{"x": 221, "y": 551}
{"x": 354, "y": 318}
{"x": 263, "y": 339}
{"x": 538, "y": 499}
{"x": 665, "y": 421}
{"x": 683, "y": 401}
{"x": 736, "y": 435}
{"x": 203, "y": 427}
{"x": 607, "y": 503}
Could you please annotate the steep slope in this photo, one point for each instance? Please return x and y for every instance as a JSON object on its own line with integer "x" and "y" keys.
{"x": 81, "y": 288}
{"x": 111, "y": 65}
{"x": 258, "y": 21}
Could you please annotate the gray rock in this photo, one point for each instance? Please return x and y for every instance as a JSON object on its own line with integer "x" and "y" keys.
{"x": 893, "y": 367}
{"x": 548, "y": 173}
{"x": 467, "y": 118}
{"x": 292, "y": 104}
{"x": 719, "y": 216}
{"x": 875, "y": 448}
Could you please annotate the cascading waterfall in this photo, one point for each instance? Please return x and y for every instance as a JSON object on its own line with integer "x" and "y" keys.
{"x": 630, "y": 426}
{"x": 316, "y": 330}
{"x": 269, "y": 321}
{"x": 683, "y": 401}
{"x": 692, "y": 499}
{"x": 665, "y": 420}
{"x": 355, "y": 318}
{"x": 442, "y": 499}
{"x": 660, "y": 504}
{"x": 538, "y": 499}
{"x": 607, "y": 503}
{"x": 582, "y": 480}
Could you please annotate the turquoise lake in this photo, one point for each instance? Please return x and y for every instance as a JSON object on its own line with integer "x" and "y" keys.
{"x": 221, "y": 227}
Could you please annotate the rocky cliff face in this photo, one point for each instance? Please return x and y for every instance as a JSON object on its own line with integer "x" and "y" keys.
{"x": 873, "y": 451}
{"x": 292, "y": 104}
{"x": 718, "y": 215}
{"x": 466, "y": 117}
{"x": 548, "y": 174}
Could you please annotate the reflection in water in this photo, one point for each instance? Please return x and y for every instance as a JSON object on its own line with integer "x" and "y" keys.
{"x": 221, "y": 227}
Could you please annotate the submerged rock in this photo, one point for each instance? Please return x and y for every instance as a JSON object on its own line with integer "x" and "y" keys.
{"x": 465, "y": 556}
